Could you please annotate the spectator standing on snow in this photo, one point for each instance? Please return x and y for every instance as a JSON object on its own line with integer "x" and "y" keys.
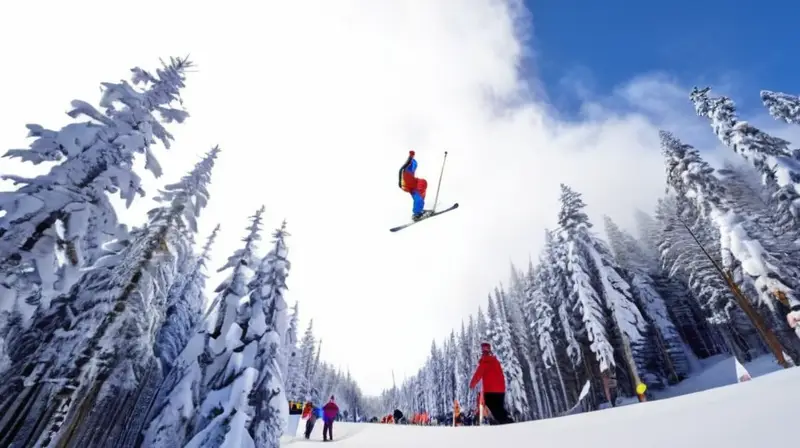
{"x": 329, "y": 413}
{"x": 490, "y": 373}
{"x": 313, "y": 415}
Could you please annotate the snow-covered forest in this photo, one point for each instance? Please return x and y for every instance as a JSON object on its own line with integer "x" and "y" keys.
{"x": 715, "y": 269}
{"x": 107, "y": 336}
{"x": 110, "y": 335}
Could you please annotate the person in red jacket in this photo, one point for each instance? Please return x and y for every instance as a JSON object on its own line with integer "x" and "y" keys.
{"x": 329, "y": 413}
{"x": 490, "y": 372}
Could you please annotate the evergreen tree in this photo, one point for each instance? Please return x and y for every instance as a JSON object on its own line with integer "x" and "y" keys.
{"x": 673, "y": 361}
{"x": 257, "y": 409}
{"x": 770, "y": 155}
{"x": 691, "y": 177}
{"x": 464, "y": 365}
{"x": 177, "y": 415}
{"x": 682, "y": 305}
{"x": 519, "y": 325}
{"x": 782, "y": 106}
{"x": 185, "y": 302}
{"x": 306, "y": 352}
{"x": 294, "y": 367}
{"x": 67, "y": 210}
{"x": 114, "y": 311}
{"x": 55, "y": 224}
{"x": 573, "y": 220}
{"x": 555, "y": 261}
{"x": 542, "y": 326}
{"x": 481, "y": 326}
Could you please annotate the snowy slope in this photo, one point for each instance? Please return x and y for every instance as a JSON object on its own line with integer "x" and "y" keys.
{"x": 719, "y": 371}
{"x": 753, "y": 414}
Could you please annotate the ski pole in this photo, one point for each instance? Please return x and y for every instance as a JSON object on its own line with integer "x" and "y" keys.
{"x": 436, "y": 200}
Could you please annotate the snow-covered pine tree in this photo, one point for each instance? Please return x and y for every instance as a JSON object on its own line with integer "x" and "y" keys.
{"x": 245, "y": 404}
{"x": 775, "y": 230}
{"x": 682, "y": 305}
{"x": 542, "y": 326}
{"x": 782, "y": 106}
{"x": 541, "y": 391}
{"x": 437, "y": 378}
{"x": 471, "y": 343}
{"x": 770, "y": 155}
{"x": 583, "y": 295}
{"x": 113, "y": 312}
{"x": 689, "y": 176}
{"x": 186, "y": 301}
{"x": 67, "y": 209}
{"x": 307, "y": 350}
{"x": 518, "y": 321}
{"x": 463, "y": 365}
{"x": 567, "y": 324}
{"x": 690, "y": 245}
{"x": 321, "y": 383}
{"x": 294, "y": 368}
{"x": 351, "y": 400}
{"x": 481, "y": 326}
{"x": 670, "y": 359}
{"x": 762, "y": 212}
{"x": 502, "y": 346}
{"x": 316, "y": 375}
{"x": 598, "y": 286}
{"x": 555, "y": 260}
{"x": 529, "y": 283}
{"x": 454, "y": 379}
{"x": 432, "y": 396}
{"x": 176, "y": 408}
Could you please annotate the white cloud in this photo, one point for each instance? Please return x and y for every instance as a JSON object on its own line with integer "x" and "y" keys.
{"x": 315, "y": 105}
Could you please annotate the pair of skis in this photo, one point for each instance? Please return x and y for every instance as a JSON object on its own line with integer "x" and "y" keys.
{"x": 435, "y": 202}
{"x": 435, "y": 213}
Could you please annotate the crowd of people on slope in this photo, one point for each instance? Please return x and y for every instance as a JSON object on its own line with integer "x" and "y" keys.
{"x": 469, "y": 418}
{"x": 329, "y": 413}
{"x": 491, "y": 405}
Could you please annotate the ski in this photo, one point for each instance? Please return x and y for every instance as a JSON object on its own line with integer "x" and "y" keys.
{"x": 452, "y": 207}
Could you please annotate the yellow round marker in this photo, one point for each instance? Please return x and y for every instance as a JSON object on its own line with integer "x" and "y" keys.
{"x": 641, "y": 388}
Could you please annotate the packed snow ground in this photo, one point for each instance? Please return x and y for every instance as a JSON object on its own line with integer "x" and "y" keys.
{"x": 719, "y": 371}
{"x": 757, "y": 413}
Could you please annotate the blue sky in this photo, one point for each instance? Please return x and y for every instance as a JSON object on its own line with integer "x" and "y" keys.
{"x": 748, "y": 45}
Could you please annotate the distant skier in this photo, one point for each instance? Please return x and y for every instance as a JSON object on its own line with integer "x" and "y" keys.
{"x": 417, "y": 187}
{"x": 329, "y": 413}
{"x": 490, "y": 372}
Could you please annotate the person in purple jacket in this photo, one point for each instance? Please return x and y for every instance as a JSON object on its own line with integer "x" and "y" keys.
{"x": 329, "y": 413}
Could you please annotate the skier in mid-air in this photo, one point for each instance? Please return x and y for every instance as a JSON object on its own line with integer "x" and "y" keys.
{"x": 490, "y": 372}
{"x": 417, "y": 187}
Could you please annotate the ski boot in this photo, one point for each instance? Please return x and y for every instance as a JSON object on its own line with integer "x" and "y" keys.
{"x": 419, "y": 216}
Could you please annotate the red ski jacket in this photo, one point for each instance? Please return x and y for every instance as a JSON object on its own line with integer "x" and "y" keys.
{"x": 491, "y": 372}
{"x": 330, "y": 411}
